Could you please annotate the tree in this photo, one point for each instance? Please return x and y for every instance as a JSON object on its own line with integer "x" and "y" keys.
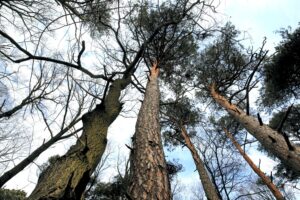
{"x": 149, "y": 176}
{"x": 286, "y": 120}
{"x": 12, "y": 194}
{"x": 103, "y": 103}
{"x": 40, "y": 93}
{"x": 276, "y": 192}
{"x": 208, "y": 186}
{"x": 229, "y": 172}
{"x": 34, "y": 86}
{"x": 115, "y": 190}
{"x": 281, "y": 73}
{"x": 74, "y": 98}
{"x": 220, "y": 81}
{"x": 273, "y": 141}
{"x": 178, "y": 115}
{"x": 226, "y": 169}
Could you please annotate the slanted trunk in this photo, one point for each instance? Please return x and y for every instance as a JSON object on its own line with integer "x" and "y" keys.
{"x": 270, "y": 139}
{"x": 277, "y": 194}
{"x": 149, "y": 176}
{"x": 30, "y": 158}
{"x": 69, "y": 175}
{"x": 209, "y": 189}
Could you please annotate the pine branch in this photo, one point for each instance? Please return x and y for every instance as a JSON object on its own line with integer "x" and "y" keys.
{"x": 259, "y": 119}
{"x": 279, "y": 128}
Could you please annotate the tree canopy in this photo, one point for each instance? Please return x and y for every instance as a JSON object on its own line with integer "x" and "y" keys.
{"x": 71, "y": 69}
{"x": 282, "y": 71}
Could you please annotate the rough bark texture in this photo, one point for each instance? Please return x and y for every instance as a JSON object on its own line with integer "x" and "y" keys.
{"x": 270, "y": 139}
{"x": 29, "y": 159}
{"x": 149, "y": 176}
{"x": 277, "y": 194}
{"x": 210, "y": 191}
{"x": 69, "y": 175}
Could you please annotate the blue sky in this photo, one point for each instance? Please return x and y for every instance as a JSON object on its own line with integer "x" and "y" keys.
{"x": 260, "y": 18}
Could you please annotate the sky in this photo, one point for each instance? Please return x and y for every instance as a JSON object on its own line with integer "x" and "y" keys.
{"x": 259, "y": 18}
{"x": 262, "y": 18}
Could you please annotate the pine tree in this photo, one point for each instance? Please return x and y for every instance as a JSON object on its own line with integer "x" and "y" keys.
{"x": 149, "y": 175}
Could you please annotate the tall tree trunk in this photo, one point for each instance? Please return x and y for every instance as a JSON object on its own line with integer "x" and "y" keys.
{"x": 270, "y": 139}
{"x": 69, "y": 175}
{"x": 263, "y": 177}
{"x": 209, "y": 189}
{"x": 149, "y": 176}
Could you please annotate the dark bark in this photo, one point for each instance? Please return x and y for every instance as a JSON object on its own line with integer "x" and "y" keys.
{"x": 210, "y": 191}
{"x": 270, "y": 139}
{"x": 259, "y": 119}
{"x": 149, "y": 176}
{"x": 69, "y": 175}
{"x": 279, "y": 128}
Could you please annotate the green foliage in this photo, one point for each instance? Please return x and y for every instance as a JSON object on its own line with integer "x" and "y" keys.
{"x": 178, "y": 113}
{"x": 282, "y": 73}
{"x": 229, "y": 66}
{"x": 284, "y": 172}
{"x": 7, "y": 194}
{"x": 51, "y": 161}
{"x": 173, "y": 168}
{"x": 95, "y": 14}
{"x": 114, "y": 190}
{"x": 226, "y": 121}
{"x": 174, "y": 46}
{"x": 222, "y": 62}
{"x": 292, "y": 124}
{"x": 182, "y": 111}
{"x": 291, "y": 127}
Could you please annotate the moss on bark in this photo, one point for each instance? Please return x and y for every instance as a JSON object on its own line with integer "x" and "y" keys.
{"x": 69, "y": 175}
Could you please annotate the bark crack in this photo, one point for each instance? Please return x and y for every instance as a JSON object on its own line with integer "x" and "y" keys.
{"x": 272, "y": 139}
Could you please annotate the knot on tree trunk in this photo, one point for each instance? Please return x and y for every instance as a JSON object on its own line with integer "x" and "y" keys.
{"x": 154, "y": 71}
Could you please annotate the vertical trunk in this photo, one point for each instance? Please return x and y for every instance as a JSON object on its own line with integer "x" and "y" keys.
{"x": 210, "y": 191}
{"x": 69, "y": 175}
{"x": 264, "y": 178}
{"x": 270, "y": 139}
{"x": 149, "y": 176}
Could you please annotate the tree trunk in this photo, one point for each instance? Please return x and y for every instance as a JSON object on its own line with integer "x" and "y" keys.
{"x": 30, "y": 158}
{"x": 149, "y": 176}
{"x": 69, "y": 175}
{"x": 270, "y": 139}
{"x": 209, "y": 189}
{"x": 264, "y": 178}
